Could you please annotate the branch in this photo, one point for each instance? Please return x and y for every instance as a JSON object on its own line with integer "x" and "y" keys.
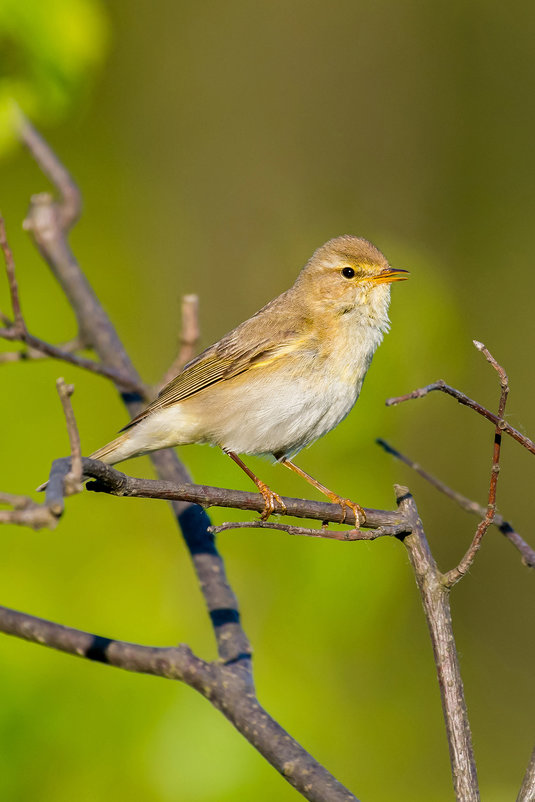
{"x": 435, "y": 599}
{"x": 32, "y": 354}
{"x": 329, "y": 534}
{"x": 188, "y": 339}
{"x": 505, "y": 527}
{"x": 497, "y": 420}
{"x": 18, "y": 324}
{"x": 17, "y": 331}
{"x": 26, "y": 512}
{"x": 527, "y": 792}
{"x": 71, "y": 199}
{"x": 73, "y": 479}
{"x": 114, "y": 482}
{"x": 465, "y": 564}
{"x": 227, "y": 687}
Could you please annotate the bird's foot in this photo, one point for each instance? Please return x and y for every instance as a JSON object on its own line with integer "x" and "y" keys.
{"x": 346, "y": 504}
{"x": 271, "y": 499}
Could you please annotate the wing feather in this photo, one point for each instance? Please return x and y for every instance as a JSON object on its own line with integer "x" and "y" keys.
{"x": 227, "y": 359}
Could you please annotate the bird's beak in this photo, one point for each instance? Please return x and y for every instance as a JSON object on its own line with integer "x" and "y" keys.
{"x": 389, "y": 275}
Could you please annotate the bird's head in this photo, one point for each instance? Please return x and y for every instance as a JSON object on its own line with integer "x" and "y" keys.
{"x": 348, "y": 273}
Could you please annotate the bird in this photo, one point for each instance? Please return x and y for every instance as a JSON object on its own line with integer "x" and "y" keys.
{"x": 284, "y": 377}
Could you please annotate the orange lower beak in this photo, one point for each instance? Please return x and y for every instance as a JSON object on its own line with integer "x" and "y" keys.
{"x": 391, "y": 274}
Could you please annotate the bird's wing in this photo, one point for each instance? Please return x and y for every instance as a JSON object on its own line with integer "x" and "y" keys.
{"x": 231, "y": 356}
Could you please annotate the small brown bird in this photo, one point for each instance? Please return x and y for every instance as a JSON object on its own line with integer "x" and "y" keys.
{"x": 284, "y": 377}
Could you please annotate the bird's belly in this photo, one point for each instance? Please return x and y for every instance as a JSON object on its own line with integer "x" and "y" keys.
{"x": 271, "y": 416}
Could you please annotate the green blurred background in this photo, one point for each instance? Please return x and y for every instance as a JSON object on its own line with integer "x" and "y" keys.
{"x": 216, "y": 145}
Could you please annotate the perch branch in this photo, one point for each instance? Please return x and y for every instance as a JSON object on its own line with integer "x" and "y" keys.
{"x": 114, "y": 482}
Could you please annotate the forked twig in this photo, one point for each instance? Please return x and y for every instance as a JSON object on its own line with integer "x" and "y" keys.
{"x": 465, "y": 564}
{"x": 468, "y": 402}
{"x": 25, "y": 512}
{"x": 17, "y": 331}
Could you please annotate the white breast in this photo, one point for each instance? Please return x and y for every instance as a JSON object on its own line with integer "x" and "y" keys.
{"x": 291, "y": 410}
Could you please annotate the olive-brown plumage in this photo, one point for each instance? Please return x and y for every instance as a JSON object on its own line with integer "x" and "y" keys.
{"x": 284, "y": 377}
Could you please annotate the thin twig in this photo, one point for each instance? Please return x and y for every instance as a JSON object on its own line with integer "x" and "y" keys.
{"x": 56, "y": 352}
{"x": 73, "y": 479}
{"x": 468, "y": 402}
{"x": 16, "y": 501}
{"x": 465, "y": 564}
{"x": 25, "y": 512}
{"x": 18, "y": 321}
{"x": 330, "y": 534}
{"x": 505, "y": 527}
{"x": 71, "y": 198}
{"x": 32, "y": 354}
{"x": 189, "y": 337}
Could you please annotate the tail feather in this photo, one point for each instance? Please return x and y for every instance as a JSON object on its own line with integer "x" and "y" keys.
{"x": 116, "y": 451}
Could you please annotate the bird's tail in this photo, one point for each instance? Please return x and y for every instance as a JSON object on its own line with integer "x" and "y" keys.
{"x": 117, "y": 450}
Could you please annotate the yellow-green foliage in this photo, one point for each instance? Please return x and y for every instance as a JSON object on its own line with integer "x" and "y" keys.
{"x": 49, "y": 53}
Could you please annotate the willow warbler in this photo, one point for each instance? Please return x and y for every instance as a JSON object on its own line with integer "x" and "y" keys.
{"x": 284, "y": 377}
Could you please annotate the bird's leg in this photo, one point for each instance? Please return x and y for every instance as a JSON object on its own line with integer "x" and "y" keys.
{"x": 345, "y": 503}
{"x": 268, "y": 495}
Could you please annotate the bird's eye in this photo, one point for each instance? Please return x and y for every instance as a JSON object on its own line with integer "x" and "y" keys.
{"x": 348, "y": 272}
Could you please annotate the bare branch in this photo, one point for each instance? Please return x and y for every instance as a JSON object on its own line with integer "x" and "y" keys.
{"x": 25, "y": 512}
{"x": 18, "y": 324}
{"x": 73, "y": 479}
{"x": 110, "y": 480}
{"x": 505, "y": 527}
{"x": 16, "y": 501}
{"x": 435, "y": 599}
{"x": 228, "y": 687}
{"x": 32, "y": 354}
{"x": 468, "y": 402}
{"x": 527, "y": 792}
{"x": 329, "y": 534}
{"x": 188, "y": 338}
{"x": 71, "y": 200}
{"x": 66, "y": 355}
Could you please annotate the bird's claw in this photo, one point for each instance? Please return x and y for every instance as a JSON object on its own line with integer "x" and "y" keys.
{"x": 271, "y": 499}
{"x": 345, "y": 504}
